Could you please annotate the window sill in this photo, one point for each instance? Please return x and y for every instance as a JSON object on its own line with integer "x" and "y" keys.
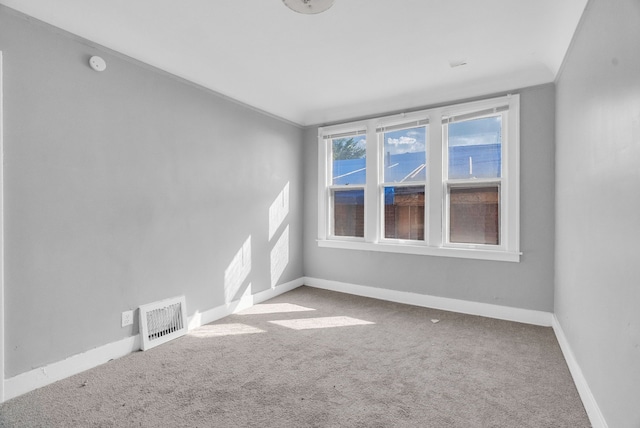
{"x": 404, "y": 248}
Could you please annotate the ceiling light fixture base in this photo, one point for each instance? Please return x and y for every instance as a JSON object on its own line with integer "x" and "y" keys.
{"x": 308, "y": 7}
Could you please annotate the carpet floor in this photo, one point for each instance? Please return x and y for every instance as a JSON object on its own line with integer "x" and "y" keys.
{"x": 315, "y": 358}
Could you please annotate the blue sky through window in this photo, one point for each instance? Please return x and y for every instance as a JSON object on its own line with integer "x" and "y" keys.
{"x": 475, "y": 148}
{"x": 405, "y": 155}
{"x": 487, "y": 130}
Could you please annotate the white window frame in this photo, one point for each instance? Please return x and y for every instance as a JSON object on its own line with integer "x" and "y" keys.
{"x": 436, "y": 242}
{"x": 405, "y": 121}
{"x": 328, "y": 187}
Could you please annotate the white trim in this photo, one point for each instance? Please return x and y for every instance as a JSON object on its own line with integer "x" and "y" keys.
{"x": 42, "y": 376}
{"x": 588, "y": 400}
{"x": 434, "y": 197}
{"x": 46, "y": 375}
{"x": 407, "y": 247}
{"x": 372, "y": 227}
{"x": 200, "y": 319}
{"x": 1, "y": 240}
{"x": 512, "y": 185}
{"x": 526, "y": 316}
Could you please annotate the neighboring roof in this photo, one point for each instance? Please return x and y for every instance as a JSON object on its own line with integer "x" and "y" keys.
{"x": 479, "y": 161}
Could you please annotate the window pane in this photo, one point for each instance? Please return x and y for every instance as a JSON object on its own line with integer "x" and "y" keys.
{"x": 348, "y": 213}
{"x": 475, "y": 148}
{"x": 474, "y": 215}
{"x": 404, "y": 212}
{"x": 349, "y": 160}
{"x": 405, "y": 155}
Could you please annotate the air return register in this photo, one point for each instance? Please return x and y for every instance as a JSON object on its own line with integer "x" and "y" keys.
{"x": 162, "y": 321}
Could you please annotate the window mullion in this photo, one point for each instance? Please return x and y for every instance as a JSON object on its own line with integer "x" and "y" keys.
{"x": 435, "y": 208}
{"x": 372, "y": 194}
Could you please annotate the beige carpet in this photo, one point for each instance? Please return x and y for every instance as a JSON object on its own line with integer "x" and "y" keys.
{"x": 314, "y": 358}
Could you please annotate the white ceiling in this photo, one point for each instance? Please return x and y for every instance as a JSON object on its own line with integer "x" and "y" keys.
{"x": 359, "y": 58}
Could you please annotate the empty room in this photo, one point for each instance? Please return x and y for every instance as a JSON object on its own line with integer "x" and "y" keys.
{"x": 320, "y": 213}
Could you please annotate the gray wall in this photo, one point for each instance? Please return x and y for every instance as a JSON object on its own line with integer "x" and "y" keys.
{"x": 528, "y": 284}
{"x": 126, "y": 187}
{"x": 598, "y": 205}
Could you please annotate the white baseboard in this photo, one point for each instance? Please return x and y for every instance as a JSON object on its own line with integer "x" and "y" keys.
{"x": 526, "y": 316}
{"x": 42, "y": 376}
{"x": 590, "y": 405}
{"x": 246, "y": 301}
{"x": 37, "y": 378}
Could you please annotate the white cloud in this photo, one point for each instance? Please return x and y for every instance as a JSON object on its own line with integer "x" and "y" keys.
{"x": 401, "y": 141}
{"x": 404, "y": 144}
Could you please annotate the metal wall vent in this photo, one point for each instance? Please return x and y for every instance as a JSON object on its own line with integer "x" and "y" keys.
{"x": 162, "y": 321}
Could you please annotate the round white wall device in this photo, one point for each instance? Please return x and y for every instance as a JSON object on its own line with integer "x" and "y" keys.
{"x": 97, "y": 63}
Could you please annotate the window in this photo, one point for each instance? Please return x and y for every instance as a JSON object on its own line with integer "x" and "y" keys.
{"x": 348, "y": 179}
{"x": 473, "y": 177}
{"x": 404, "y": 175}
{"x": 439, "y": 182}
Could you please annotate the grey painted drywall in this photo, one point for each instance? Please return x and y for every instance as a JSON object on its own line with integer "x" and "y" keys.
{"x": 528, "y": 284}
{"x": 598, "y": 204}
{"x": 126, "y": 187}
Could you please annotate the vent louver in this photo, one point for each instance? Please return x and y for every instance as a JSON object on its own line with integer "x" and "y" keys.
{"x": 162, "y": 321}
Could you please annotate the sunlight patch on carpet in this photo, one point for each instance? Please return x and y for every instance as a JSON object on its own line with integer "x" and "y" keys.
{"x": 274, "y": 308}
{"x": 217, "y": 330}
{"x": 324, "y": 322}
